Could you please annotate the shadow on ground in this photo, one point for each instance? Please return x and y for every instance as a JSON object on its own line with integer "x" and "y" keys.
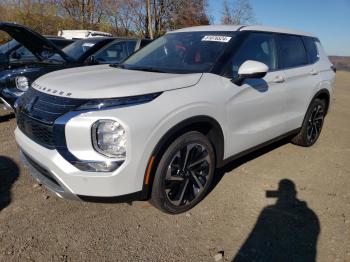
{"x": 7, "y": 117}
{"x": 9, "y": 173}
{"x": 219, "y": 173}
{"x": 285, "y": 231}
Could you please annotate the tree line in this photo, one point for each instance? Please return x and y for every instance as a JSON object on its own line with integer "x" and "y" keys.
{"x": 143, "y": 18}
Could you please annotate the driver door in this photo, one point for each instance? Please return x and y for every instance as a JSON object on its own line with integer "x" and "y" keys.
{"x": 257, "y": 107}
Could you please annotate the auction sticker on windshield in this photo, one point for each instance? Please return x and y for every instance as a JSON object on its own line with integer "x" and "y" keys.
{"x": 217, "y": 38}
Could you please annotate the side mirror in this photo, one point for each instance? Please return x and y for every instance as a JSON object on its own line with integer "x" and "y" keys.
{"x": 250, "y": 69}
{"x": 91, "y": 60}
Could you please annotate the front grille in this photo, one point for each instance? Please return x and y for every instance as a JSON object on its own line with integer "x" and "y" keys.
{"x": 35, "y": 130}
{"x": 46, "y": 108}
{"x": 36, "y": 113}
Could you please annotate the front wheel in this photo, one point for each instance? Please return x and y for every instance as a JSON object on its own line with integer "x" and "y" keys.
{"x": 184, "y": 173}
{"x": 312, "y": 125}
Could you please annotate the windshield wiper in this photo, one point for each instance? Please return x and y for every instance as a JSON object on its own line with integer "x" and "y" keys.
{"x": 117, "y": 66}
{"x": 51, "y": 62}
{"x": 146, "y": 69}
{"x": 138, "y": 68}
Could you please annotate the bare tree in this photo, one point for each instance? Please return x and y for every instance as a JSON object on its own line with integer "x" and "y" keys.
{"x": 144, "y": 18}
{"x": 238, "y": 12}
{"x": 189, "y": 13}
{"x": 85, "y": 13}
{"x": 226, "y": 18}
{"x": 149, "y": 19}
{"x": 173, "y": 14}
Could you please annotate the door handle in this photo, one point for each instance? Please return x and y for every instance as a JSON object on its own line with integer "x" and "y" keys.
{"x": 314, "y": 72}
{"x": 278, "y": 79}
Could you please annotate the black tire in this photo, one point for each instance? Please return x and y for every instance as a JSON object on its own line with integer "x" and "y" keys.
{"x": 184, "y": 173}
{"x": 312, "y": 124}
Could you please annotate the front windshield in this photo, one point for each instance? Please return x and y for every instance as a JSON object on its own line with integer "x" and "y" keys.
{"x": 77, "y": 49}
{"x": 4, "y": 48}
{"x": 188, "y": 52}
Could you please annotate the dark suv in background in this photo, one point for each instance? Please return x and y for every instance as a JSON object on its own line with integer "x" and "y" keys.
{"x": 42, "y": 55}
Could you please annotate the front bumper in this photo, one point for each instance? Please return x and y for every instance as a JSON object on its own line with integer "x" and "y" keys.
{"x": 66, "y": 181}
{"x": 46, "y": 178}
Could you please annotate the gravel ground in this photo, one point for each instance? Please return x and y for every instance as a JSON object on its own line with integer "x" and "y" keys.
{"x": 237, "y": 220}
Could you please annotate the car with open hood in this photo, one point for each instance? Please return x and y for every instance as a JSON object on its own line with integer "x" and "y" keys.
{"x": 19, "y": 72}
{"x": 13, "y": 50}
{"x": 161, "y": 123}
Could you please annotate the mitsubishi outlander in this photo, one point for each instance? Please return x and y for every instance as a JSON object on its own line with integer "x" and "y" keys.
{"x": 158, "y": 125}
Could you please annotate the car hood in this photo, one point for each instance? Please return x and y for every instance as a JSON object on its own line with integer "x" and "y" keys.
{"x": 33, "y": 41}
{"x": 104, "y": 81}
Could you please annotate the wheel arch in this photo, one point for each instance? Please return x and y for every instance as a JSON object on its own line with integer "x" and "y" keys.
{"x": 323, "y": 94}
{"x": 203, "y": 124}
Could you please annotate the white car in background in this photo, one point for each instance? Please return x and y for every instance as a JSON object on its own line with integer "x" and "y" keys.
{"x": 158, "y": 125}
{"x": 79, "y": 34}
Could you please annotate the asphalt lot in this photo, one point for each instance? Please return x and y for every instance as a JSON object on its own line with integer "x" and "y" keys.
{"x": 237, "y": 218}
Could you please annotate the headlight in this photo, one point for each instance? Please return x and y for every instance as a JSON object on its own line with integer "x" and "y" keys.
{"x": 22, "y": 83}
{"x": 115, "y": 102}
{"x": 109, "y": 138}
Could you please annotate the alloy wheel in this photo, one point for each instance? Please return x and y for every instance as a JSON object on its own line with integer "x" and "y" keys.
{"x": 315, "y": 123}
{"x": 187, "y": 174}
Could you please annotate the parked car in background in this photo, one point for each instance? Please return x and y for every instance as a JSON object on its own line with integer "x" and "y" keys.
{"x": 14, "y": 51}
{"x": 18, "y": 75}
{"x": 158, "y": 125}
{"x": 79, "y": 34}
{"x": 103, "y": 50}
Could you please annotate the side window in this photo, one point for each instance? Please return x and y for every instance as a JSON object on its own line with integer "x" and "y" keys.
{"x": 311, "y": 49}
{"x": 116, "y": 52}
{"x": 131, "y": 46}
{"x": 293, "y": 52}
{"x": 22, "y": 53}
{"x": 61, "y": 43}
{"x": 258, "y": 47}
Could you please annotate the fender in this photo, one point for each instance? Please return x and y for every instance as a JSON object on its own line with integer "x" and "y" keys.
{"x": 323, "y": 94}
{"x": 205, "y": 124}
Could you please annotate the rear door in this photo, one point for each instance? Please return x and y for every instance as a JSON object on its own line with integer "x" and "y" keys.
{"x": 297, "y": 60}
{"x": 257, "y": 107}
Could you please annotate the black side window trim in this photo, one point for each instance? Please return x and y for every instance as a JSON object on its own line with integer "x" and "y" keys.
{"x": 221, "y": 67}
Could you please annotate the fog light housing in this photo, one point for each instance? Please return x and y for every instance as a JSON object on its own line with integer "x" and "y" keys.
{"x": 109, "y": 139}
{"x": 22, "y": 83}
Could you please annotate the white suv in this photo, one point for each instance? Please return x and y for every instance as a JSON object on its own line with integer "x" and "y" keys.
{"x": 158, "y": 125}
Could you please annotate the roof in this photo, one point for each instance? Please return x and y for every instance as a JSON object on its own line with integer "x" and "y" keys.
{"x": 111, "y": 38}
{"x": 62, "y": 32}
{"x": 242, "y": 28}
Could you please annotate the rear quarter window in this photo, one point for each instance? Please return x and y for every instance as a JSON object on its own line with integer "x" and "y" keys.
{"x": 311, "y": 48}
{"x": 292, "y": 51}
